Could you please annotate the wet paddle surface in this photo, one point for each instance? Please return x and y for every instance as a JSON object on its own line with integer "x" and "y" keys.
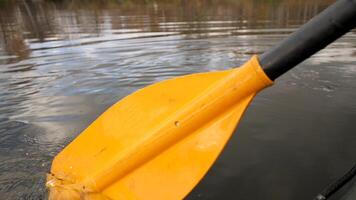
{"x": 63, "y": 64}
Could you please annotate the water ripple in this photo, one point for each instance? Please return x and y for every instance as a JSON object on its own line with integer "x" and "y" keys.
{"x": 62, "y": 65}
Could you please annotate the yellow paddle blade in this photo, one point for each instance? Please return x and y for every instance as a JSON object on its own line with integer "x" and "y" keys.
{"x": 158, "y": 142}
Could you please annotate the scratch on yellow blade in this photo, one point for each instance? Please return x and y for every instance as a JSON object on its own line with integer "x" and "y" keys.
{"x": 158, "y": 142}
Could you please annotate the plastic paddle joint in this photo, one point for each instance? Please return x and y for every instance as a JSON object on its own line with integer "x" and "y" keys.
{"x": 313, "y": 36}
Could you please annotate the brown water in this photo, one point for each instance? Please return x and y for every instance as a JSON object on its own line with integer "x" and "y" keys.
{"x": 62, "y": 63}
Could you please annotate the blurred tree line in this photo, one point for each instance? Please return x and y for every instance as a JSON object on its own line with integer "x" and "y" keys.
{"x": 39, "y": 19}
{"x": 142, "y": 2}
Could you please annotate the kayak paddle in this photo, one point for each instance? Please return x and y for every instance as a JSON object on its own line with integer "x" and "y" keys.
{"x": 159, "y": 142}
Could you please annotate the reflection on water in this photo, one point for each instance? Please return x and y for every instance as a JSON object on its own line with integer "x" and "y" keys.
{"x": 62, "y": 63}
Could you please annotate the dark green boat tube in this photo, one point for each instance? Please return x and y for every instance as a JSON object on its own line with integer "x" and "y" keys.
{"x": 338, "y": 184}
{"x": 313, "y": 36}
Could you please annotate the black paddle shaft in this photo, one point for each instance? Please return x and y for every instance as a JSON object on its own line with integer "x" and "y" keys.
{"x": 313, "y": 36}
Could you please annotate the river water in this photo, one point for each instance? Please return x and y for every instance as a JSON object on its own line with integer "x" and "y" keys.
{"x": 62, "y": 63}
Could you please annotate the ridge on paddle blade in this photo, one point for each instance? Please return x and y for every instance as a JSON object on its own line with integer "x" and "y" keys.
{"x": 158, "y": 142}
